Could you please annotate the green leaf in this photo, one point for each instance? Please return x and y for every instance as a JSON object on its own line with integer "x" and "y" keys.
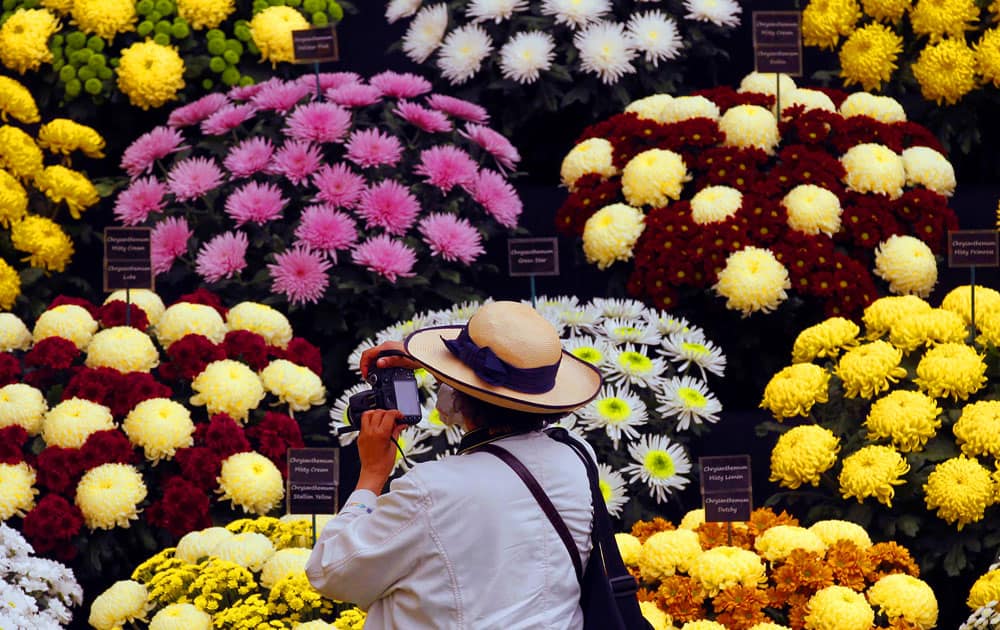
{"x": 908, "y": 524}
{"x": 955, "y": 560}
{"x": 30, "y": 276}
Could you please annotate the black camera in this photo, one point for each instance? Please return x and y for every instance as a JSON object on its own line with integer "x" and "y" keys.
{"x": 391, "y": 388}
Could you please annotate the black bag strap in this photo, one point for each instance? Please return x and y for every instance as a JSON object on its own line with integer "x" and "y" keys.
{"x": 543, "y": 500}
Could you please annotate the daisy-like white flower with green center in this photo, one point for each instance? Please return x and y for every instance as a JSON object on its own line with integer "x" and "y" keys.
{"x": 620, "y": 308}
{"x": 669, "y": 324}
{"x": 620, "y": 330}
{"x": 354, "y": 359}
{"x": 660, "y": 464}
{"x": 691, "y": 348}
{"x": 425, "y": 380}
{"x": 411, "y": 442}
{"x": 629, "y": 365}
{"x": 594, "y": 351}
{"x": 616, "y": 410}
{"x": 613, "y": 488}
{"x": 338, "y": 414}
{"x": 689, "y": 399}
{"x": 430, "y": 422}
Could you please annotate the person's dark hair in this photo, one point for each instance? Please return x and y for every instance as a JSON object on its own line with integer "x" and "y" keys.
{"x": 499, "y": 419}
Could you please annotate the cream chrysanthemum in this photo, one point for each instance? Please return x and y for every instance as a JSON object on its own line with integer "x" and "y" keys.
{"x": 262, "y": 319}
{"x": 902, "y": 596}
{"x": 68, "y": 321}
{"x": 795, "y": 389}
{"x": 14, "y": 335}
{"x": 946, "y": 71}
{"x": 650, "y": 107}
{"x": 880, "y": 316}
{"x": 776, "y": 543}
{"x": 657, "y": 618}
{"x": 160, "y": 426}
{"x": 229, "y": 387}
{"x": 202, "y": 14}
{"x": 298, "y": 387}
{"x": 668, "y": 552}
{"x": 767, "y": 83}
{"x": 753, "y": 280}
{"x": 283, "y": 563}
{"x": 715, "y": 204}
{"x": 195, "y": 546}
{"x": 834, "y": 530}
{"x": 22, "y": 405}
{"x": 109, "y": 495}
{"x": 24, "y": 39}
{"x": 907, "y": 418}
{"x": 629, "y": 547}
{"x": 72, "y": 421}
{"x": 825, "y": 339}
{"x": 838, "y": 608}
{"x": 185, "y": 318}
{"x": 809, "y": 100}
{"x": 925, "y": 329}
{"x": 977, "y": 429}
{"x": 951, "y": 369}
{"x": 250, "y": 550}
{"x": 869, "y": 55}
{"x": 654, "y": 177}
{"x": 123, "y": 348}
{"x": 960, "y": 489}
{"x": 252, "y": 482}
{"x": 959, "y": 300}
{"x": 181, "y": 617}
{"x": 610, "y": 234}
{"x": 748, "y": 126}
{"x": 882, "y": 108}
{"x": 824, "y": 22}
{"x": 692, "y": 520}
{"x": 802, "y": 454}
{"x": 722, "y": 567}
{"x": 874, "y": 168}
{"x": 812, "y": 210}
{"x": 872, "y": 471}
{"x": 683, "y": 108}
{"x": 593, "y": 155}
{"x": 124, "y": 602}
{"x": 271, "y": 30}
{"x": 17, "y": 490}
{"x": 870, "y": 369}
{"x": 148, "y": 301}
{"x": 926, "y": 167}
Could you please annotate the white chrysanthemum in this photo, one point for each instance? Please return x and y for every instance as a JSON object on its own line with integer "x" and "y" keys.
{"x": 813, "y": 209}
{"x": 619, "y": 330}
{"x": 605, "y": 50}
{"x": 612, "y": 485}
{"x": 195, "y": 546}
{"x": 654, "y": 35}
{"x": 22, "y": 405}
{"x": 687, "y": 107}
{"x": 425, "y": 32}
{"x": 122, "y": 348}
{"x": 338, "y": 414}
{"x": 660, "y": 464}
{"x": 68, "y": 321}
{"x": 430, "y": 421}
{"x": 874, "y": 168}
{"x": 616, "y": 411}
{"x": 262, "y": 319}
{"x": 715, "y": 204}
{"x": 181, "y": 617}
{"x": 526, "y": 55}
{"x": 17, "y": 490}
{"x": 160, "y": 426}
{"x": 669, "y": 324}
{"x": 767, "y": 83}
{"x": 593, "y": 155}
{"x": 578, "y": 318}
{"x": 621, "y": 308}
{"x": 14, "y": 335}
{"x": 632, "y": 365}
{"x": 907, "y": 264}
{"x": 250, "y": 550}
{"x": 185, "y": 318}
{"x": 650, "y": 107}
{"x": 750, "y": 126}
{"x": 109, "y": 495}
{"x": 576, "y": 13}
{"x": 298, "y": 387}
{"x": 411, "y": 442}
{"x": 753, "y": 280}
{"x": 689, "y": 399}
{"x": 283, "y": 563}
{"x": 926, "y": 167}
{"x": 354, "y": 359}
{"x": 147, "y": 300}
{"x": 123, "y": 602}
{"x": 808, "y": 99}
{"x": 462, "y": 53}
{"x": 397, "y": 9}
{"x": 72, "y": 421}
{"x": 594, "y": 351}
{"x": 252, "y": 482}
{"x": 495, "y": 10}
{"x": 882, "y": 108}
{"x": 687, "y": 349}
{"x": 719, "y": 12}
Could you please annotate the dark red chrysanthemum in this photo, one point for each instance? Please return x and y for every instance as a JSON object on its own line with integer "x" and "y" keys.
{"x": 10, "y": 369}
{"x": 223, "y": 435}
{"x": 190, "y": 354}
{"x": 12, "y": 440}
{"x": 200, "y": 466}
{"x": 55, "y": 353}
{"x": 274, "y": 435}
{"x": 246, "y": 346}
{"x": 301, "y": 352}
{"x": 135, "y": 388}
{"x": 107, "y": 447}
{"x": 182, "y": 508}
{"x": 51, "y": 526}
{"x": 59, "y": 469}
{"x": 98, "y": 385}
{"x": 113, "y": 313}
{"x": 206, "y": 297}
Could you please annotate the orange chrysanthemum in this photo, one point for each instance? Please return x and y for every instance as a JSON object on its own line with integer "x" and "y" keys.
{"x": 740, "y": 606}
{"x": 798, "y": 608}
{"x": 888, "y": 558}
{"x": 763, "y": 519}
{"x": 644, "y": 529}
{"x": 712, "y": 535}
{"x": 810, "y": 571}
{"x": 681, "y": 597}
{"x": 850, "y": 564}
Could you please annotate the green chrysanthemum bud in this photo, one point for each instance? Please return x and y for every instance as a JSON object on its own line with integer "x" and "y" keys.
{"x": 231, "y": 76}
{"x": 97, "y": 61}
{"x": 207, "y": 84}
{"x": 86, "y": 73}
{"x": 95, "y": 43}
{"x": 162, "y": 39}
{"x": 235, "y": 46}
{"x": 180, "y": 31}
{"x": 73, "y": 88}
{"x": 165, "y": 7}
{"x": 80, "y": 57}
{"x": 320, "y": 19}
{"x": 155, "y": 16}
{"x": 8, "y": 5}
{"x": 217, "y": 64}
{"x": 335, "y": 11}
{"x": 259, "y": 5}
{"x": 231, "y": 57}
{"x": 246, "y": 80}
{"x": 293, "y": 3}
{"x": 57, "y": 54}
{"x": 216, "y": 46}
{"x": 76, "y": 40}
{"x": 214, "y": 33}
{"x": 58, "y": 65}
{"x": 143, "y": 7}
{"x": 105, "y": 74}
{"x": 242, "y": 32}
{"x": 67, "y": 74}
{"x": 163, "y": 26}
{"x": 58, "y": 40}
{"x": 93, "y": 86}
{"x": 312, "y": 6}
{"x": 145, "y": 28}
{"x": 29, "y": 4}
{"x": 252, "y": 48}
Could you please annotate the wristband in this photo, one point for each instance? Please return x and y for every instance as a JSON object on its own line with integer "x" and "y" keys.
{"x": 360, "y": 505}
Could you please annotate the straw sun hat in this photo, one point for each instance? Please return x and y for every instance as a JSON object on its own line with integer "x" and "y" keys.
{"x": 507, "y": 355}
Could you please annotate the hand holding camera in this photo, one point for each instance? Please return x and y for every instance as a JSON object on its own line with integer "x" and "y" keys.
{"x": 391, "y": 387}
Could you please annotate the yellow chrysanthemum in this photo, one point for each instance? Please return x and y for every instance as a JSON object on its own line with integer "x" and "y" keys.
{"x": 668, "y": 552}
{"x": 68, "y": 321}
{"x": 905, "y": 417}
{"x": 283, "y": 563}
{"x": 195, "y": 546}
{"x": 977, "y": 429}
{"x": 835, "y": 530}
{"x": 882, "y": 108}
{"x": 654, "y": 177}
{"x": 10, "y": 285}
{"x": 924, "y": 329}
{"x": 629, "y": 547}
{"x": 872, "y": 471}
{"x": 693, "y": 519}
{"x": 47, "y": 245}
{"x": 987, "y": 51}
{"x": 812, "y": 209}
{"x": 250, "y": 550}
{"x": 14, "y": 335}
{"x": 185, "y": 318}
{"x": 298, "y": 387}
{"x": 201, "y": 14}
{"x": 777, "y": 542}
{"x": 109, "y": 495}
{"x": 722, "y": 567}
{"x": 946, "y": 71}
{"x": 753, "y": 280}
{"x": 825, "y": 339}
{"x": 262, "y": 319}
{"x": 937, "y": 18}
{"x": 17, "y": 490}
{"x": 767, "y": 83}
{"x": 271, "y": 30}
{"x": 825, "y": 21}
{"x": 72, "y": 421}
{"x": 869, "y": 55}
{"x": 181, "y": 617}
{"x": 123, "y": 603}
{"x": 16, "y": 100}
{"x": 870, "y": 369}
{"x": 610, "y": 234}
{"x": 24, "y": 40}
{"x": 64, "y": 136}
{"x": 160, "y": 426}
{"x": 19, "y": 153}
{"x": 808, "y": 99}
{"x": 147, "y": 300}
{"x": 228, "y": 387}
{"x": 926, "y": 167}
{"x": 123, "y": 348}
{"x": 750, "y": 126}
{"x": 683, "y": 108}
{"x": 62, "y": 7}
{"x": 960, "y": 489}
{"x": 656, "y": 617}
{"x": 593, "y": 155}
{"x": 22, "y": 405}
{"x": 838, "y": 608}
{"x": 886, "y": 10}
{"x": 252, "y": 482}
{"x": 985, "y": 589}
{"x": 988, "y": 323}
{"x": 902, "y": 596}
{"x": 715, "y": 204}
{"x": 802, "y": 454}
{"x": 951, "y": 369}
{"x": 13, "y": 199}
{"x": 881, "y": 315}
{"x": 650, "y": 107}
{"x": 795, "y": 389}
{"x": 959, "y": 300}
{"x": 703, "y": 624}
{"x": 874, "y": 168}
{"x": 151, "y": 75}
{"x": 104, "y": 18}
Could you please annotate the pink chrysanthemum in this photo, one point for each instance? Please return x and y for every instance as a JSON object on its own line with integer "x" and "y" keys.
{"x": 279, "y": 96}
{"x": 297, "y": 160}
{"x": 390, "y": 205}
{"x": 330, "y": 80}
{"x": 318, "y": 122}
{"x": 386, "y": 256}
{"x": 451, "y": 238}
{"x": 141, "y": 155}
{"x": 222, "y": 257}
{"x": 401, "y": 85}
{"x": 495, "y": 144}
{"x": 228, "y": 117}
{"x": 253, "y": 155}
{"x": 243, "y": 93}
{"x": 338, "y": 185}
{"x": 430, "y": 120}
{"x": 354, "y": 95}
{"x": 143, "y": 196}
{"x": 498, "y": 197}
{"x": 371, "y": 147}
{"x": 446, "y": 167}
{"x": 325, "y": 229}
{"x": 193, "y": 177}
{"x": 255, "y": 203}
{"x": 168, "y": 240}
{"x": 300, "y": 275}
{"x": 197, "y": 111}
{"x": 458, "y": 108}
